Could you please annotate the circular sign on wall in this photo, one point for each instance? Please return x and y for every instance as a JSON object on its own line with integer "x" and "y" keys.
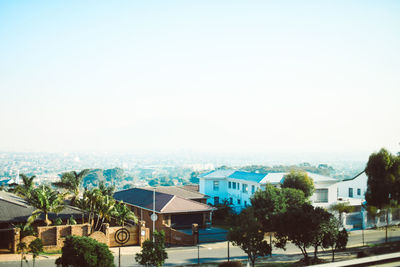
{"x": 154, "y": 217}
{"x": 122, "y": 236}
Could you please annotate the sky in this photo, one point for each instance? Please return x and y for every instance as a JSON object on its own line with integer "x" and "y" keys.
{"x": 207, "y": 76}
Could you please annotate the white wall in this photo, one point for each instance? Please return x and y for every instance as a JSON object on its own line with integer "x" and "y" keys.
{"x": 332, "y": 194}
{"x": 360, "y": 182}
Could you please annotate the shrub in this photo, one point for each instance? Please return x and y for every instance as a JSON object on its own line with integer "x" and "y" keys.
{"x": 71, "y": 221}
{"x": 26, "y": 231}
{"x": 153, "y": 253}
{"x": 36, "y": 247}
{"x": 85, "y": 251}
{"x": 58, "y": 221}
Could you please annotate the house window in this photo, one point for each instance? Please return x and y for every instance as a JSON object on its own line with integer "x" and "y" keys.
{"x": 244, "y": 188}
{"x": 166, "y": 219}
{"x": 350, "y": 192}
{"x": 230, "y": 201}
{"x": 216, "y": 200}
{"x": 321, "y": 195}
{"x": 229, "y": 184}
{"x": 216, "y": 185}
{"x": 234, "y": 185}
{"x": 253, "y": 189}
{"x": 238, "y": 186}
{"x": 358, "y": 192}
{"x": 238, "y": 201}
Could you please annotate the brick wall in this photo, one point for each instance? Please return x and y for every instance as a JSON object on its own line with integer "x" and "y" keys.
{"x": 53, "y": 236}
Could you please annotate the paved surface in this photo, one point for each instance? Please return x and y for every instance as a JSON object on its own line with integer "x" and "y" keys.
{"x": 212, "y": 252}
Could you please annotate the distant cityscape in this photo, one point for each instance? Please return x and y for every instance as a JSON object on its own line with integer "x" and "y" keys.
{"x": 126, "y": 170}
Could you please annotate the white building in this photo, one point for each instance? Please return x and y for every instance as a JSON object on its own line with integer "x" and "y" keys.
{"x": 354, "y": 187}
{"x": 237, "y": 187}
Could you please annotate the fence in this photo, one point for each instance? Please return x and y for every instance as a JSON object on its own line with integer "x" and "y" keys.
{"x": 366, "y": 220}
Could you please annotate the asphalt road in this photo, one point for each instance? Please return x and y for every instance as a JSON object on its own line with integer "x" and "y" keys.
{"x": 214, "y": 252}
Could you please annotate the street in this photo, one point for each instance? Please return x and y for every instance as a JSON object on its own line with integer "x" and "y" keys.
{"x": 214, "y": 252}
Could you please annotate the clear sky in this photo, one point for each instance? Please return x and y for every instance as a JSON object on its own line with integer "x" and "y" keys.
{"x": 210, "y": 76}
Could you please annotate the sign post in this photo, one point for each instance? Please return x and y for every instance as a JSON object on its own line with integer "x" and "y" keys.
{"x": 121, "y": 237}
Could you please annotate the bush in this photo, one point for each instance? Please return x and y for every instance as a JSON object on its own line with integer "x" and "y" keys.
{"x": 26, "y": 231}
{"x": 71, "y": 221}
{"x": 85, "y": 251}
{"x": 153, "y": 253}
{"x": 230, "y": 264}
{"x": 58, "y": 221}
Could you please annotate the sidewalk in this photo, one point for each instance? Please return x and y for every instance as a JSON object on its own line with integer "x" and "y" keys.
{"x": 131, "y": 250}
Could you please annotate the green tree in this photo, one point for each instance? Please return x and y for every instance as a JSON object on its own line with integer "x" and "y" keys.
{"x": 123, "y": 214}
{"x": 25, "y": 189}
{"x": 25, "y": 231}
{"x": 246, "y": 234}
{"x": 105, "y": 210}
{"x": 71, "y": 221}
{"x": 194, "y": 177}
{"x": 299, "y": 180}
{"x": 341, "y": 208}
{"x": 106, "y": 190}
{"x": 301, "y": 226}
{"x": 222, "y": 213}
{"x": 383, "y": 171}
{"x": 21, "y": 248}
{"x": 272, "y": 201}
{"x": 45, "y": 200}
{"x": 333, "y": 237}
{"x": 85, "y": 251}
{"x": 36, "y": 247}
{"x": 71, "y": 181}
{"x": 153, "y": 253}
{"x": 320, "y": 218}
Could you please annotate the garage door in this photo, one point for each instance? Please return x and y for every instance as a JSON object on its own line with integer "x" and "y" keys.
{"x": 180, "y": 221}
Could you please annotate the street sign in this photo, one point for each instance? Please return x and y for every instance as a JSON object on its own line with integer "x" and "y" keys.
{"x": 154, "y": 217}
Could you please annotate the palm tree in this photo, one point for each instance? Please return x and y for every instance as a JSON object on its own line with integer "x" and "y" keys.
{"x": 106, "y": 190}
{"x": 27, "y": 186}
{"x": 106, "y": 210}
{"x": 122, "y": 213}
{"x": 93, "y": 199}
{"x": 45, "y": 200}
{"x": 72, "y": 182}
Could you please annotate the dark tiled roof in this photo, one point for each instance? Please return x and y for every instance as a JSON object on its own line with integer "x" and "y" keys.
{"x": 14, "y": 209}
{"x": 178, "y": 191}
{"x": 165, "y": 203}
{"x": 143, "y": 198}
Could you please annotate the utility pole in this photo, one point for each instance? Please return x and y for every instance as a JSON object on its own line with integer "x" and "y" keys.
{"x": 154, "y": 211}
{"x": 228, "y": 250}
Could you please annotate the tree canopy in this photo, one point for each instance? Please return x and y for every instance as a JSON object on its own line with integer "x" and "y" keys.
{"x": 299, "y": 180}
{"x": 45, "y": 200}
{"x": 85, "y": 251}
{"x": 72, "y": 182}
{"x": 153, "y": 253}
{"x": 272, "y": 201}
{"x": 302, "y": 226}
{"x": 245, "y": 233}
{"x": 383, "y": 171}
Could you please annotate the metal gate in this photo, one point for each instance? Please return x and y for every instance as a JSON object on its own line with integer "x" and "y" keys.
{"x": 212, "y": 234}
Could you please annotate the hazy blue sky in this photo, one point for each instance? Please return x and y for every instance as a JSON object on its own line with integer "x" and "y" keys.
{"x": 218, "y": 76}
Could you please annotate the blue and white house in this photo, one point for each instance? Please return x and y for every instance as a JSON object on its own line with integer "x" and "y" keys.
{"x": 354, "y": 187}
{"x": 237, "y": 187}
